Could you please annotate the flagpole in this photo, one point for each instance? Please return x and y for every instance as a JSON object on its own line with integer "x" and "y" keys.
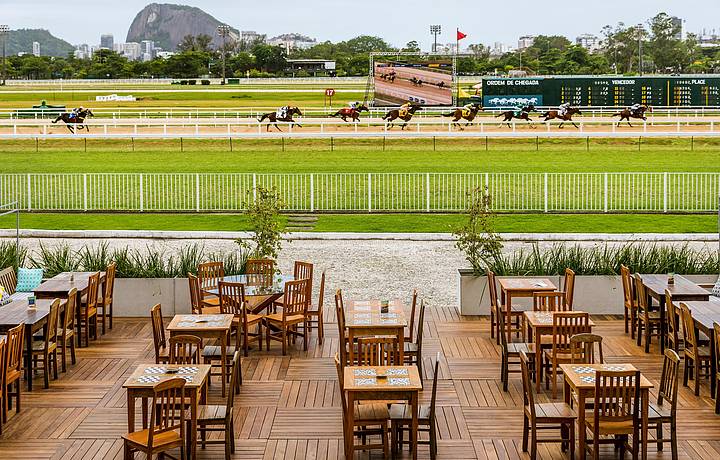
{"x": 457, "y": 40}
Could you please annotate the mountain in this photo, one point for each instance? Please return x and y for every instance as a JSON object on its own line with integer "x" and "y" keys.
{"x": 21, "y": 41}
{"x": 168, "y": 24}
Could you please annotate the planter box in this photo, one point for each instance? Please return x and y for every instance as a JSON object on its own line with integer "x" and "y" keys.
{"x": 134, "y": 297}
{"x": 475, "y": 297}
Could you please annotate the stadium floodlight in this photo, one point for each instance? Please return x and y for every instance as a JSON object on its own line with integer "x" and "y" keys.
{"x": 223, "y": 30}
{"x": 4, "y": 31}
{"x": 435, "y": 30}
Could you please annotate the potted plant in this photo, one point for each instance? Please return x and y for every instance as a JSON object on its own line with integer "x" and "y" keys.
{"x": 267, "y": 229}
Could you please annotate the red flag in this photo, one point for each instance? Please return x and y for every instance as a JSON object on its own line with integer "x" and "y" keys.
{"x": 460, "y": 35}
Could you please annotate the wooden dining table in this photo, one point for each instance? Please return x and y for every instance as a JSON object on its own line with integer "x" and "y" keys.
{"x": 705, "y": 314}
{"x": 261, "y": 290}
{"x": 216, "y": 327}
{"x": 580, "y": 379}
{"x": 361, "y": 383}
{"x": 539, "y": 324}
{"x": 520, "y": 287}
{"x": 35, "y": 320}
{"x": 682, "y": 289}
{"x": 140, "y": 385}
{"x": 367, "y": 318}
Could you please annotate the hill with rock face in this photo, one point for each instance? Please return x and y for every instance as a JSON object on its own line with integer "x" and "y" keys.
{"x": 168, "y": 24}
{"x": 21, "y": 41}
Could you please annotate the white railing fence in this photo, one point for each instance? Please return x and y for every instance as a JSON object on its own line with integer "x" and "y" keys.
{"x": 364, "y": 192}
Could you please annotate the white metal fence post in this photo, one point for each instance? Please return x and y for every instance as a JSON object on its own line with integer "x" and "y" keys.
{"x": 665, "y": 192}
{"x": 312, "y": 193}
{"x": 427, "y": 191}
{"x": 142, "y": 194}
{"x": 605, "y": 192}
{"x": 254, "y": 188}
{"x": 369, "y": 188}
{"x": 197, "y": 192}
{"x": 546, "y": 191}
{"x": 85, "y": 204}
{"x": 29, "y": 192}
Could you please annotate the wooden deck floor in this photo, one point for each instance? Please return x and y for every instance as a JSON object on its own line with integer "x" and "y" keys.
{"x": 289, "y": 406}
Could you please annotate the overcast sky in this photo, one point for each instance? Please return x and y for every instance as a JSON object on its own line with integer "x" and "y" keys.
{"x": 397, "y": 21}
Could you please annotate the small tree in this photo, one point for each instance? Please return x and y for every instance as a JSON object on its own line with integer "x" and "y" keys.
{"x": 264, "y": 215}
{"x": 477, "y": 238}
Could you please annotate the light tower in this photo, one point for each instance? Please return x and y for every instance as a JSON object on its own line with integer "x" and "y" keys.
{"x": 4, "y": 31}
{"x": 435, "y": 30}
{"x": 223, "y": 30}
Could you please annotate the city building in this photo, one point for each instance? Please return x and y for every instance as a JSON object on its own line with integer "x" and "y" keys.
{"x": 248, "y": 37}
{"x": 107, "y": 41}
{"x": 292, "y": 42}
{"x": 499, "y": 48}
{"x": 36, "y": 49}
{"x": 526, "y": 41}
{"x": 678, "y": 23}
{"x": 589, "y": 41}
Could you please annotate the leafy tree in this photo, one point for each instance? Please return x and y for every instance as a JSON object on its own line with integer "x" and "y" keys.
{"x": 412, "y": 47}
{"x": 263, "y": 212}
{"x": 269, "y": 58}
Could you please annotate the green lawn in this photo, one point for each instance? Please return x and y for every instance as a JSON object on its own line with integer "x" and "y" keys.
{"x": 411, "y": 223}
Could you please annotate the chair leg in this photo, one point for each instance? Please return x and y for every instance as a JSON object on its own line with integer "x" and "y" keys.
{"x": 717, "y": 397}
{"x": 321, "y": 330}
{"x": 433, "y": 441}
{"x": 55, "y": 364}
{"x": 659, "y": 435}
{"x": 526, "y": 429}
{"x": 554, "y": 381}
{"x": 697, "y": 377}
{"x": 533, "y": 443}
{"x": 648, "y": 337}
{"x": 72, "y": 350}
{"x": 686, "y": 370}
{"x": 306, "y": 334}
{"x": 64, "y": 355}
{"x": 571, "y": 441}
{"x": 46, "y": 370}
{"x": 673, "y": 440}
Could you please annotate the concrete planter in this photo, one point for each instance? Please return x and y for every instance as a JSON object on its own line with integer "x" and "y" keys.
{"x": 135, "y": 296}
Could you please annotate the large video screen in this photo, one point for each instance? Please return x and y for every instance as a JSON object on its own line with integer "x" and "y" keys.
{"x": 424, "y": 82}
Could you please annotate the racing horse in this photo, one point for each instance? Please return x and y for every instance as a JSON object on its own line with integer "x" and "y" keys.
{"x": 553, "y": 114}
{"x": 353, "y": 114}
{"x": 394, "y": 114}
{"x": 523, "y": 114}
{"x": 627, "y": 114}
{"x": 463, "y": 114}
{"x": 77, "y": 121}
{"x": 273, "y": 118}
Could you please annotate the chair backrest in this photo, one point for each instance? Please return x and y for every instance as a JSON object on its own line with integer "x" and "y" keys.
{"x": 234, "y": 377}
{"x": 195, "y": 294}
{"x": 668, "y": 390}
{"x": 672, "y": 320}
{"x": 411, "y": 320}
{"x": 168, "y": 409}
{"x": 321, "y": 294}
{"x": 158, "y": 329}
{"x": 14, "y": 351}
{"x": 502, "y": 335}
{"x": 641, "y": 297}
{"x": 70, "y": 309}
{"x": 617, "y": 397}
{"x": 528, "y": 396}
{"x": 304, "y": 271}
{"x": 569, "y": 287}
{"x": 209, "y": 273}
{"x": 582, "y": 349}
{"x": 92, "y": 290}
{"x": 52, "y": 324}
{"x": 260, "y": 267}
{"x": 8, "y": 280}
{"x": 627, "y": 284}
{"x": 185, "y": 349}
{"x": 433, "y": 397}
{"x": 565, "y": 325}
{"x": 688, "y": 328}
{"x": 421, "y": 327}
{"x": 339, "y": 367}
{"x": 493, "y": 288}
{"x": 109, "y": 284}
{"x": 340, "y": 315}
{"x": 295, "y": 298}
{"x": 550, "y": 301}
{"x": 378, "y": 351}
{"x": 232, "y": 299}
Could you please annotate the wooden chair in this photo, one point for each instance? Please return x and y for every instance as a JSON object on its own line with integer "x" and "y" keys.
{"x": 162, "y": 354}
{"x": 301, "y": 271}
{"x": 411, "y": 319}
{"x": 66, "y": 332}
{"x": 315, "y": 315}
{"x": 629, "y": 305}
{"x": 545, "y": 416}
{"x": 697, "y": 357}
{"x": 279, "y": 326}
{"x": 659, "y": 414}
{"x": 233, "y": 302}
{"x": 369, "y": 419}
{"x": 550, "y": 301}
{"x": 569, "y": 288}
{"x": 412, "y": 351}
{"x": 378, "y": 351}
{"x": 167, "y": 426}
{"x": 616, "y": 411}
{"x": 582, "y": 349}
{"x": 105, "y": 305}
{"x": 185, "y": 349}
{"x": 342, "y": 338}
{"x": 676, "y": 342}
{"x": 3, "y": 346}
{"x": 716, "y": 328}
{"x": 219, "y": 418}
{"x": 648, "y": 319}
{"x": 565, "y": 325}
{"x": 208, "y": 275}
{"x": 510, "y": 355}
{"x": 15, "y": 341}
{"x": 8, "y": 280}
{"x": 401, "y": 420}
{"x": 516, "y": 314}
{"x": 44, "y": 347}
{"x": 199, "y": 303}
{"x": 88, "y": 309}
{"x": 260, "y": 267}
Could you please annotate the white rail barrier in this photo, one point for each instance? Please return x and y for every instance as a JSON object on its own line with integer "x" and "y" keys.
{"x": 365, "y": 192}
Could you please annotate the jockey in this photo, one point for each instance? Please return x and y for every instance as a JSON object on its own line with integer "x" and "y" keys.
{"x": 405, "y": 108}
{"x": 354, "y": 105}
{"x": 468, "y": 108}
{"x": 564, "y": 108}
{"x": 76, "y": 111}
{"x": 282, "y": 112}
{"x": 635, "y": 109}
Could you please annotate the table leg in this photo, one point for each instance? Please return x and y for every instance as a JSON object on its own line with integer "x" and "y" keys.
{"x": 131, "y": 410}
{"x": 713, "y": 363}
{"x": 349, "y": 423}
{"x": 144, "y": 409}
{"x": 501, "y": 311}
{"x": 644, "y": 435}
{"x": 414, "y": 427}
{"x": 223, "y": 360}
{"x": 28, "y": 357}
{"x": 538, "y": 360}
{"x": 351, "y": 341}
{"x": 192, "y": 436}
{"x": 508, "y": 314}
{"x": 582, "y": 435}
{"x": 400, "y": 334}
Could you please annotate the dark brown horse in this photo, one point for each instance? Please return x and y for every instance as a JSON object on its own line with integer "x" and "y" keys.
{"x": 394, "y": 114}
{"x": 77, "y": 121}
{"x": 627, "y": 114}
{"x": 524, "y": 114}
{"x": 553, "y": 114}
{"x": 353, "y": 114}
{"x": 463, "y": 114}
{"x": 288, "y": 118}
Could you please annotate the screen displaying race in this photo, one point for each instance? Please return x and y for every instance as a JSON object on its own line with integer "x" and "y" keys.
{"x": 428, "y": 82}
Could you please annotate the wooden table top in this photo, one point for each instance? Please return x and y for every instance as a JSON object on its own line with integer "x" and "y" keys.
{"x": 657, "y": 283}
{"x": 398, "y": 378}
{"x": 257, "y": 284}
{"x": 526, "y": 284}
{"x": 544, "y": 318}
{"x": 368, "y": 314}
{"x": 17, "y": 312}
{"x": 219, "y": 322}
{"x": 582, "y": 376}
{"x": 147, "y": 376}
{"x": 61, "y": 283}
{"x": 705, "y": 312}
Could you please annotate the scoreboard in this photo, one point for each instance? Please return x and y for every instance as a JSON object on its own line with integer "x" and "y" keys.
{"x": 616, "y": 91}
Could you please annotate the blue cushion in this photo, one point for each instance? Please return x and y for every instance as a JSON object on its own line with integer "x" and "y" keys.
{"x": 28, "y": 279}
{"x": 716, "y": 289}
{"x": 4, "y": 297}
